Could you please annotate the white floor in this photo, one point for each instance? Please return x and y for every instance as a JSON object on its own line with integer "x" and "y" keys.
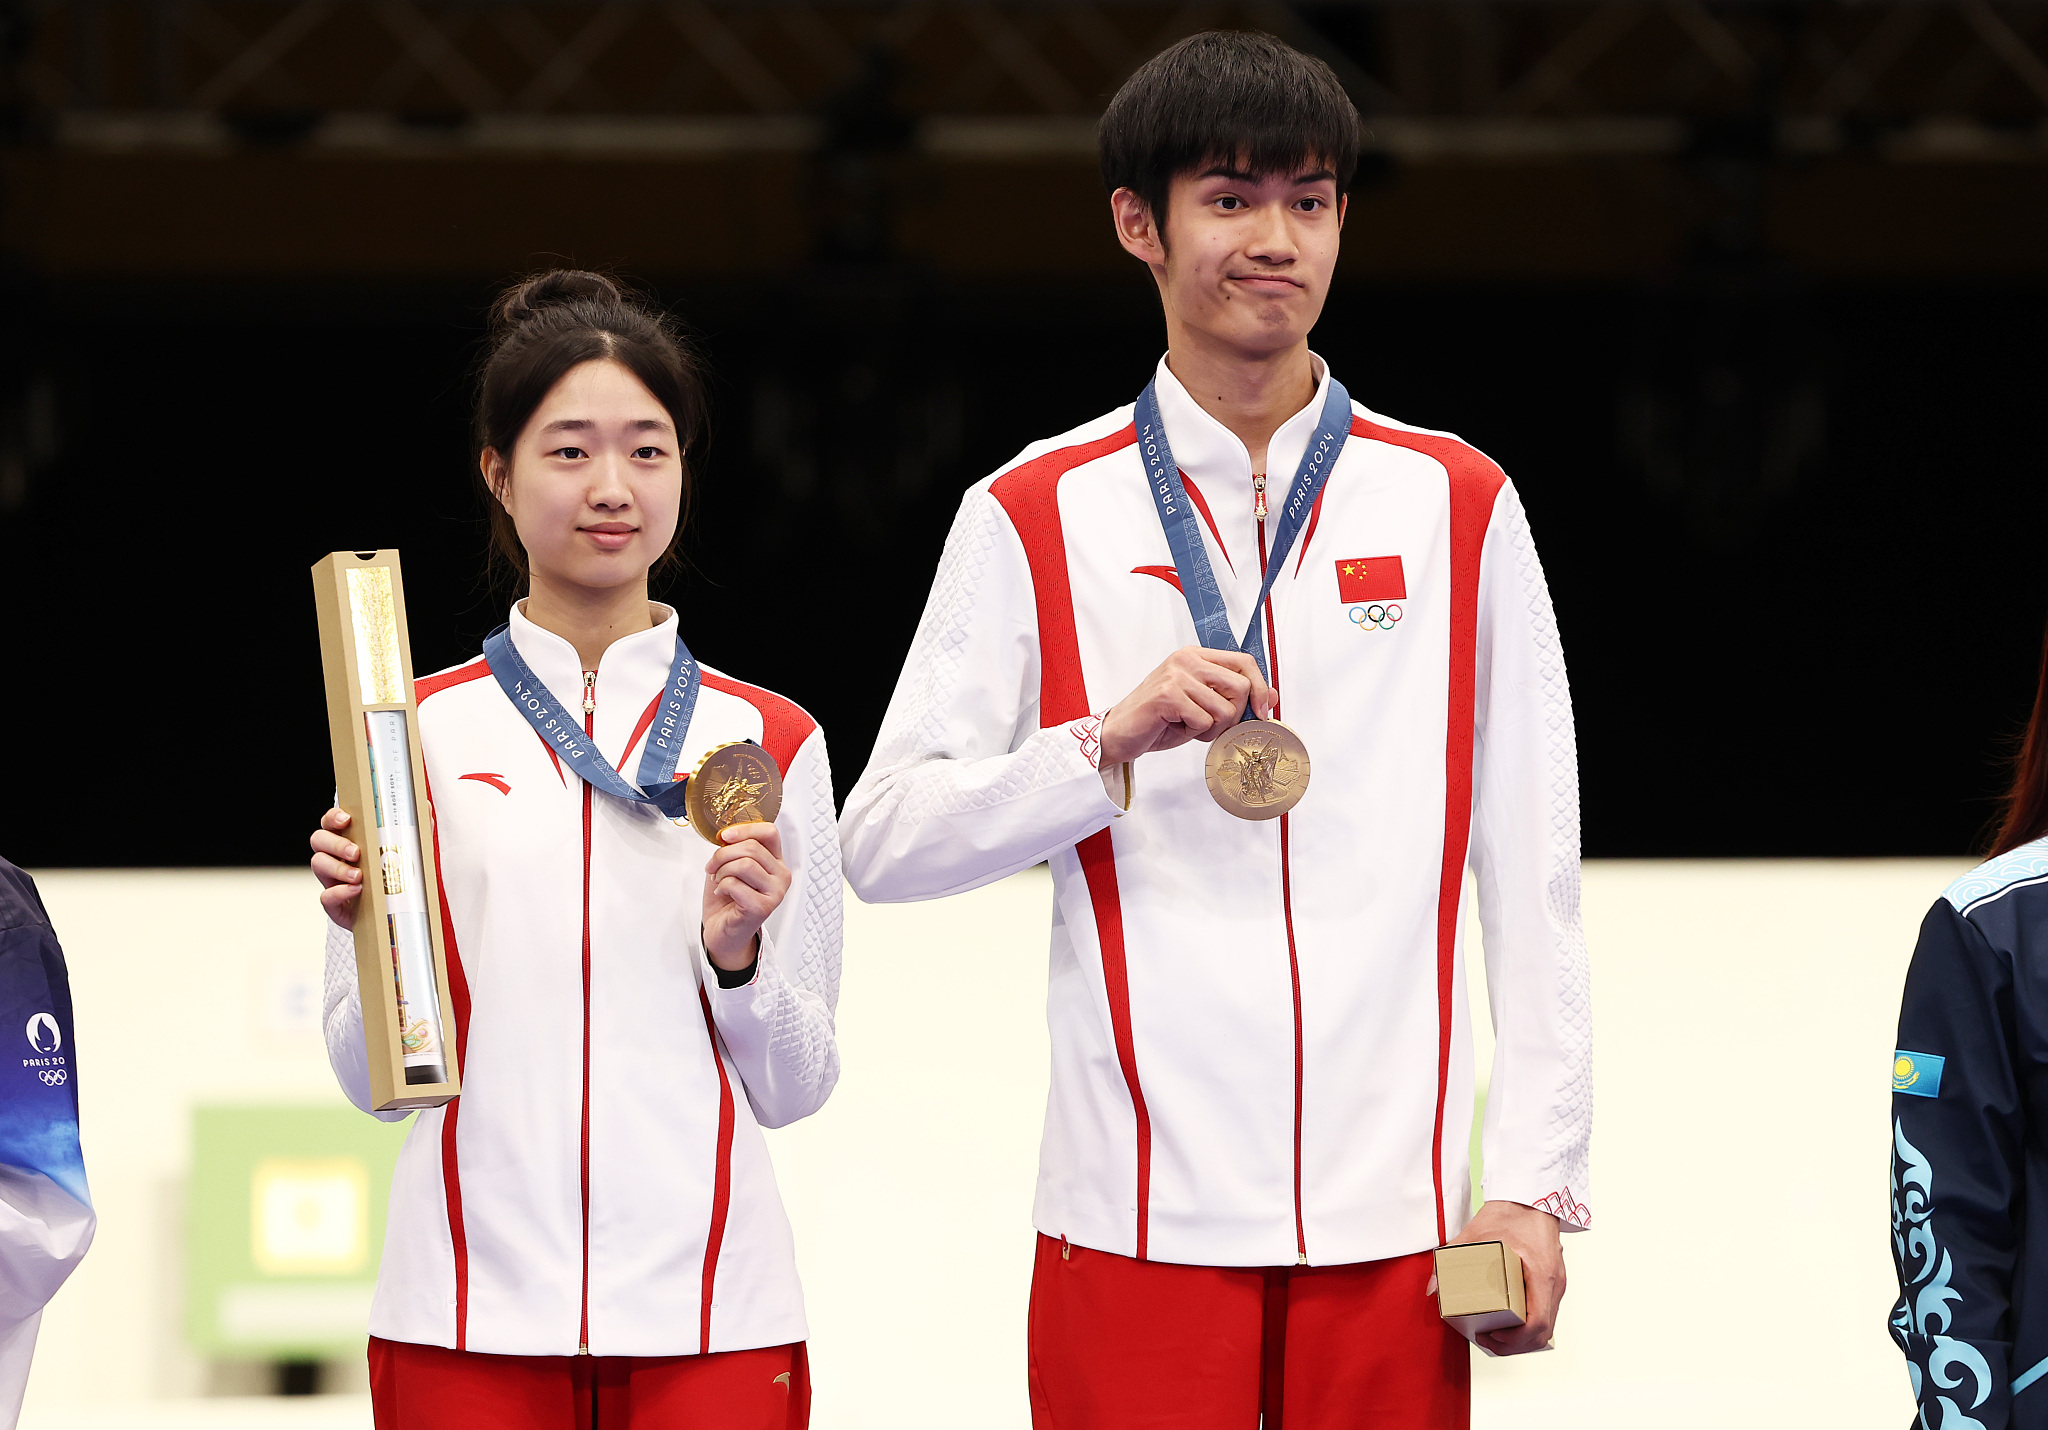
{"x": 1738, "y": 1273}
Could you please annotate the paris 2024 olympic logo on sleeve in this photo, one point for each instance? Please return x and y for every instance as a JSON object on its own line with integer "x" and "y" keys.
{"x": 46, "y": 1039}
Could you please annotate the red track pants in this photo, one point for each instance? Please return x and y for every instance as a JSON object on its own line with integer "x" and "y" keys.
{"x": 416, "y": 1387}
{"x": 1120, "y": 1344}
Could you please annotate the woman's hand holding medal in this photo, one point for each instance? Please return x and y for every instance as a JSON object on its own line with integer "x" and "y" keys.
{"x": 743, "y": 884}
{"x": 1195, "y": 694}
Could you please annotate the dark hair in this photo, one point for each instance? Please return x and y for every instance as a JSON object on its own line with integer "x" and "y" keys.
{"x": 543, "y": 326}
{"x": 1225, "y": 96}
{"x": 2023, "y": 812}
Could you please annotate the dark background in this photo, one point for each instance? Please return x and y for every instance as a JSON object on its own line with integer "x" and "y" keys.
{"x": 1775, "y": 407}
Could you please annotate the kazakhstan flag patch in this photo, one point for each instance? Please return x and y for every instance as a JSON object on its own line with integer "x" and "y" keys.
{"x": 1917, "y": 1073}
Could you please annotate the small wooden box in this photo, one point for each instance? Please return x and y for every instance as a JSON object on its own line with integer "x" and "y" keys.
{"x": 380, "y": 780}
{"x": 1479, "y": 1287}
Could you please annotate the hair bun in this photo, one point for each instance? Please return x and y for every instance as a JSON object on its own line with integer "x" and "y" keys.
{"x": 528, "y": 298}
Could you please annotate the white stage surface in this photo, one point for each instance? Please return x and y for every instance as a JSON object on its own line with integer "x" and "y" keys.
{"x": 1737, "y": 1274}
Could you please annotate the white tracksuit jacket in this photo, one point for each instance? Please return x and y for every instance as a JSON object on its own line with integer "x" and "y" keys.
{"x": 602, "y": 1181}
{"x": 1260, "y": 1047}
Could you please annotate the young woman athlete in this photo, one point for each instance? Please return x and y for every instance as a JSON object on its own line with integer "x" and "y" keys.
{"x": 590, "y": 1235}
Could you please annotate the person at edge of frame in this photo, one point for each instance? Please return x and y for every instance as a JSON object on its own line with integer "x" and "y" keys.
{"x": 46, "y": 1215}
{"x": 1262, "y": 1076}
{"x": 1969, "y": 1186}
{"x": 591, "y": 1233}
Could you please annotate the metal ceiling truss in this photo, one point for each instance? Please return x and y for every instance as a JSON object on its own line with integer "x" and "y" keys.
{"x": 1436, "y": 78}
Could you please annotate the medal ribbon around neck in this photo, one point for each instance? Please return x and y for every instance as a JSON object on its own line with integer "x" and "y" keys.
{"x": 563, "y": 733}
{"x": 1184, "y": 532}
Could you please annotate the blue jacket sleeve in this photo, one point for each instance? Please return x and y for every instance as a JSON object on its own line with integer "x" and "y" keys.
{"x": 1956, "y": 1174}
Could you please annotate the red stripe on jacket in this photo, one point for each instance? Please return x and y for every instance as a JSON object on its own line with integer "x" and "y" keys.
{"x": 1030, "y": 495}
{"x": 458, "y": 995}
{"x": 1202, "y": 505}
{"x": 1315, "y": 517}
{"x": 1475, "y": 483}
{"x": 646, "y": 719}
{"x": 785, "y": 725}
{"x": 721, "y": 1181}
{"x": 447, "y": 679}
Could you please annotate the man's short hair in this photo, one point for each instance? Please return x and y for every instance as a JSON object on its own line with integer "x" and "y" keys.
{"x": 1233, "y": 97}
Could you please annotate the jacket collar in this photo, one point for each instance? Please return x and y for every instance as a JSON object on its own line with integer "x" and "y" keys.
{"x": 631, "y": 672}
{"x": 1212, "y": 454}
{"x": 1219, "y": 470}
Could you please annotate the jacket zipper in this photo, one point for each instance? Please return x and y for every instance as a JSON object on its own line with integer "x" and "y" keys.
{"x": 590, "y": 729}
{"x": 1286, "y": 887}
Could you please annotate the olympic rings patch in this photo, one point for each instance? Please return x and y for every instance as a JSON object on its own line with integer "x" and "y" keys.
{"x": 55, "y": 1077}
{"x": 1376, "y": 617}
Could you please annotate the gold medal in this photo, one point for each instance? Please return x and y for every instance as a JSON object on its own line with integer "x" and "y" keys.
{"x": 1258, "y": 769}
{"x": 736, "y": 783}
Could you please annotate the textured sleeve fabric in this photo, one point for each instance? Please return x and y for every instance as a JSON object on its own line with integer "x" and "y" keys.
{"x": 964, "y": 788}
{"x": 778, "y": 1026}
{"x": 1956, "y": 1177}
{"x": 342, "y": 1021}
{"x": 1525, "y": 857}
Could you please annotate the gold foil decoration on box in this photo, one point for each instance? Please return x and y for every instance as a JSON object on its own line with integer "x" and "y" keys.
{"x": 380, "y": 780}
{"x": 373, "y": 616}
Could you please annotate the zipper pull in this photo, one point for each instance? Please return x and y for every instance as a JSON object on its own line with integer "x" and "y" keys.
{"x": 1301, "y": 1259}
{"x": 589, "y": 692}
{"x": 1258, "y": 496}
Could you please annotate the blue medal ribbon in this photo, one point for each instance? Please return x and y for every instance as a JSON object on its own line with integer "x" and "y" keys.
{"x": 1184, "y": 532}
{"x": 563, "y": 733}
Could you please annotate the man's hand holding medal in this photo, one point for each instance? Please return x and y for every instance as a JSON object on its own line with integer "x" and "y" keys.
{"x": 1195, "y": 694}
{"x": 1257, "y": 767}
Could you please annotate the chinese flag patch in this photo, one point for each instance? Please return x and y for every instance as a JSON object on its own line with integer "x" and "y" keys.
{"x": 1371, "y": 578}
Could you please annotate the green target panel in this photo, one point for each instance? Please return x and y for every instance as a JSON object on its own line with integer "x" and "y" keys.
{"x": 284, "y": 1229}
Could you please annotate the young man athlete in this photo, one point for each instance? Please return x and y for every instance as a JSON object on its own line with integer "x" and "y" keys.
{"x": 1262, "y": 1069}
